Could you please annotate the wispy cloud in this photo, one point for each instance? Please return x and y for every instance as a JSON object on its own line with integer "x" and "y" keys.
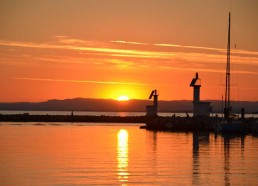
{"x": 91, "y": 52}
{"x": 233, "y": 51}
{"x": 82, "y": 81}
{"x": 129, "y": 42}
{"x": 72, "y": 41}
{"x": 190, "y": 47}
{"x": 206, "y": 70}
{"x": 167, "y": 45}
{"x": 135, "y": 53}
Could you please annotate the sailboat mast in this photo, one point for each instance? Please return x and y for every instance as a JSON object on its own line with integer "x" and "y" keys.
{"x": 227, "y": 93}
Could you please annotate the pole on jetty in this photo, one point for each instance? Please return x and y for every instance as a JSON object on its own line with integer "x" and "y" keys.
{"x": 152, "y": 110}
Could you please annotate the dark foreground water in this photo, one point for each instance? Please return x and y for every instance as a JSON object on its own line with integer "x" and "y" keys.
{"x": 122, "y": 154}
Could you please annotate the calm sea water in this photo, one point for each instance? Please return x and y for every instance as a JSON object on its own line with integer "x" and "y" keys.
{"x": 122, "y": 154}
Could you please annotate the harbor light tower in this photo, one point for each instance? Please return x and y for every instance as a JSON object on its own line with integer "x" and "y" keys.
{"x": 196, "y": 84}
{"x": 200, "y": 108}
{"x": 152, "y": 110}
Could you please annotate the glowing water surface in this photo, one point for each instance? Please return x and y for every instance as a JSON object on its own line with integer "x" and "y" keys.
{"x": 122, "y": 154}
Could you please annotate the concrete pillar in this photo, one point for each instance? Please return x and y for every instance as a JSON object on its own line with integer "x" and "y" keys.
{"x": 196, "y": 96}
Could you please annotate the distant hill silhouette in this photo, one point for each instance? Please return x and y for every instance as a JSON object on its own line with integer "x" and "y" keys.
{"x": 86, "y": 104}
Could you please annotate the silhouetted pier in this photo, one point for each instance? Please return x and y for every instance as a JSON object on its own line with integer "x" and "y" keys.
{"x": 184, "y": 124}
{"x": 70, "y": 118}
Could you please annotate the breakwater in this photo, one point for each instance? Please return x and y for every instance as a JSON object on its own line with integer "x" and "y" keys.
{"x": 183, "y": 124}
{"x": 208, "y": 124}
{"x": 70, "y": 118}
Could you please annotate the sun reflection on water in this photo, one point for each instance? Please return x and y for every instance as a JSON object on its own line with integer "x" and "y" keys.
{"x": 122, "y": 155}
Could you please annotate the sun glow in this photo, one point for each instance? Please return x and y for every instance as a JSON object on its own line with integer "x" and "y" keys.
{"x": 123, "y": 98}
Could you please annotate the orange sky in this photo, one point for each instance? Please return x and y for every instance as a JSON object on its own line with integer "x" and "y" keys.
{"x": 104, "y": 49}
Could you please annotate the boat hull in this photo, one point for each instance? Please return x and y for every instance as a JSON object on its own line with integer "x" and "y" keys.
{"x": 231, "y": 126}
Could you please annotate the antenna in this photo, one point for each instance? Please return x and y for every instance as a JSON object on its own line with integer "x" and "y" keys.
{"x": 227, "y": 91}
{"x": 227, "y": 107}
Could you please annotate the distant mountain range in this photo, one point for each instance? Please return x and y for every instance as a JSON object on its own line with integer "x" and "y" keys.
{"x": 86, "y": 104}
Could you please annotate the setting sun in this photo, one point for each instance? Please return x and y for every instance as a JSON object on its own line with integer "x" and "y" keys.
{"x": 123, "y": 98}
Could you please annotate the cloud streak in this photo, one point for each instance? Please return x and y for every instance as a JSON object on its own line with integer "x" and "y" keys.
{"x": 98, "y": 53}
{"x": 129, "y": 42}
{"x": 233, "y": 51}
{"x": 133, "y": 53}
{"x": 206, "y": 70}
{"x": 81, "y": 45}
{"x": 82, "y": 81}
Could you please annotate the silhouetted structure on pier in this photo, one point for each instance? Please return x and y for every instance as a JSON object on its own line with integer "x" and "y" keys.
{"x": 200, "y": 108}
{"x": 152, "y": 110}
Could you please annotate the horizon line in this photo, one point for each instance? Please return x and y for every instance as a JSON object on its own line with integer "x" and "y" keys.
{"x": 111, "y": 99}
